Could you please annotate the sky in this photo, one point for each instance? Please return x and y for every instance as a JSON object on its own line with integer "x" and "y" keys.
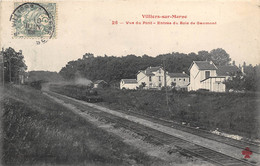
{"x": 86, "y": 27}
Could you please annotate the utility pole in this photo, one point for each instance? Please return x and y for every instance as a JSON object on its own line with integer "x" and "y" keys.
{"x": 10, "y": 76}
{"x": 2, "y": 53}
{"x": 165, "y": 84}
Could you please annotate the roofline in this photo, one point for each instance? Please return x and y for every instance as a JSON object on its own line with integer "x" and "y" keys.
{"x": 203, "y": 61}
{"x": 214, "y": 65}
{"x": 100, "y": 81}
{"x": 213, "y": 77}
{"x": 178, "y": 76}
{"x": 128, "y": 79}
{"x": 130, "y": 83}
{"x": 139, "y": 72}
{"x": 191, "y": 65}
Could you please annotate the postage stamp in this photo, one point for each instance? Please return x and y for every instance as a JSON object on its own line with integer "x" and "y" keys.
{"x": 34, "y": 20}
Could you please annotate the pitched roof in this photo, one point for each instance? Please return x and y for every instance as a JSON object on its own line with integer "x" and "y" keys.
{"x": 153, "y": 69}
{"x": 177, "y": 75}
{"x": 148, "y": 73}
{"x": 149, "y": 70}
{"x": 129, "y": 81}
{"x": 227, "y": 70}
{"x": 99, "y": 81}
{"x": 205, "y": 65}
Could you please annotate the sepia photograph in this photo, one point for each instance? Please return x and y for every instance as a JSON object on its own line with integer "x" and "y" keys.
{"x": 130, "y": 83}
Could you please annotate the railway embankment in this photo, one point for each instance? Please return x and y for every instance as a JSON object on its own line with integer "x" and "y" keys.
{"x": 220, "y": 147}
{"x": 232, "y": 113}
{"x": 37, "y": 130}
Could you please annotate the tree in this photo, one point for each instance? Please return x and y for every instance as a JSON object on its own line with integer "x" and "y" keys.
{"x": 249, "y": 80}
{"x": 113, "y": 69}
{"x": 173, "y": 84}
{"x": 205, "y": 55}
{"x": 88, "y": 55}
{"x": 220, "y": 57}
{"x": 14, "y": 65}
{"x": 236, "y": 82}
{"x": 143, "y": 84}
{"x": 252, "y": 77}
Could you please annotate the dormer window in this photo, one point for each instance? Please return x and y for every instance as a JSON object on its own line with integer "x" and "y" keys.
{"x": 150, "y": 78}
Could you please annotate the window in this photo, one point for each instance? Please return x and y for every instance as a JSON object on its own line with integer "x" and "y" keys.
{"x": 150, "y": 78}
{"x": 183, "y": 79}
{"x": 174, "y": 79}
{"x": 160, "y": 85}
{"x": 207, "y": 74}
{"x": 179, "y": 79}
{"x": 159, "y": 78}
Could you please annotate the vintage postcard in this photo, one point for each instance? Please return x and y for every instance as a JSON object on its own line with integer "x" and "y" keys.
{"x": 130, "y": 82}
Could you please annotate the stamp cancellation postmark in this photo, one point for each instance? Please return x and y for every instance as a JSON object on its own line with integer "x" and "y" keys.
{"x": 34, "y": 20}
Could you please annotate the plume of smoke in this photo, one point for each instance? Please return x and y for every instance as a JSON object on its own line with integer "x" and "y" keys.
{"x": 82, "y": 81}
{"x": 79, "y": 80}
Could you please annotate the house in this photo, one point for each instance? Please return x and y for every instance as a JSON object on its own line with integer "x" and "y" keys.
{"x": 128, "y": 84}
{"x": 178, "y": 80}
{"x": 100, "y": 84}
{"x": 151, "y": 77}
{"x": 206, "y": 75}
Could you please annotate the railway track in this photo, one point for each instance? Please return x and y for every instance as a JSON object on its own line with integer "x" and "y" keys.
{"x": 254, "y": 147}
{"x": 186, "y": 148}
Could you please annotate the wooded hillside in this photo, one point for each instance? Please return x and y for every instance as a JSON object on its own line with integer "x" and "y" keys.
{"x": 110, "y": 68}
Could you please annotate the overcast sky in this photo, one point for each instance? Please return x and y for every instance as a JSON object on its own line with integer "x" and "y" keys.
{"x": 86, "y": 27}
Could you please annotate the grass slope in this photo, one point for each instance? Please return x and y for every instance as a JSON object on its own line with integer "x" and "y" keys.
{"x": 38, "y": 131}
{"x": 232, "y": 113}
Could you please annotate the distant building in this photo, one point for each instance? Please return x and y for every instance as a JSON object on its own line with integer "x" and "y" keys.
{"x": 206, "y": 75}
{"x": 128, "y": 84}
{"x": 152, "y": 77}
{"x": 100, "y": 84}
{"x": 178, "y": 80}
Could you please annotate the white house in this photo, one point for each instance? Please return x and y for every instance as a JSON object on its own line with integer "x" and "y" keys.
{"x": 178, "y": 80}
{"x": 152, "y": 77}
{"x": 128, "y": 84}
{"x": 206, "y": 75}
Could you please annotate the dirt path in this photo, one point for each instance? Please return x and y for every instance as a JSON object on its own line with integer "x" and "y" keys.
{"x": 216, "y": 146}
